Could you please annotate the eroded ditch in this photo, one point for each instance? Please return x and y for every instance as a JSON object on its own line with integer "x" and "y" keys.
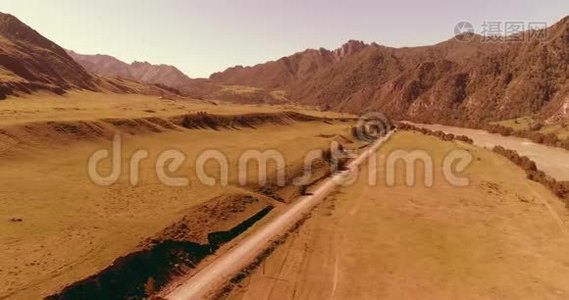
{"x": 171, "y": 253}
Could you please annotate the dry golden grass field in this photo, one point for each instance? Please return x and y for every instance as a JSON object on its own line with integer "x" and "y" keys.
{"x": 501, "y": 237}
{"x": 71, "y": 228}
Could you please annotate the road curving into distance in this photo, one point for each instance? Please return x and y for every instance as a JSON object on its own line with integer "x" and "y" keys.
{"x": 551, "y": 160}
{"x": 220, "y": 271}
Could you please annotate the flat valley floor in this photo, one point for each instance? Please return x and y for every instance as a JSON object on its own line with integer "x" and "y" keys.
{"x": 502, "y": 237}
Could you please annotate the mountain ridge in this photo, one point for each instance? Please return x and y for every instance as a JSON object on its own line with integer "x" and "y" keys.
{"x": 451, "y": 82}
{"x": 166, "y": 76}
{"x": 107, "y": 65}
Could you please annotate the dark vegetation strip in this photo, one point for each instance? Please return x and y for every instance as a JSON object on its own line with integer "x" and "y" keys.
{"x": 559, "y": 188}
{"x": 439, "y": 134}
{"x": 141, "y": 274}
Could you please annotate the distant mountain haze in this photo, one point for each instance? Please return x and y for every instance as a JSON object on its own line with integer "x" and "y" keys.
{"x": 107, "y": 65}
{"x": 166, "y": 75}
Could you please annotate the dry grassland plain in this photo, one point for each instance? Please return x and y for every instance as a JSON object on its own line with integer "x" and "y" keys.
{"x": 72, "y": 228}
{"x": 501, "y": 237}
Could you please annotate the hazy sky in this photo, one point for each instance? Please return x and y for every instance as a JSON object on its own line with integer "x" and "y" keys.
{"x": 205, "y": 36}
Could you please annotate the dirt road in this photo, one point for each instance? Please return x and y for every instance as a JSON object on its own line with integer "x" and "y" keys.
{"x": 213, "y": 276}
{"x": 554, "y": 161}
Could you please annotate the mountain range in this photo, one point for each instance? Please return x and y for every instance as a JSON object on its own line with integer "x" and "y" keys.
{"x": 106, "y": 65}
{"x": 465, "y": 78}
{"x": 462, "y": 79}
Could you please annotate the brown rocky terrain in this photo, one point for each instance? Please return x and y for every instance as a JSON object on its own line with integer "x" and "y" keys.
{"x": 448, "y": 82}
{"x": 281, "y": 73}
{"x": 30, "y": 62}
